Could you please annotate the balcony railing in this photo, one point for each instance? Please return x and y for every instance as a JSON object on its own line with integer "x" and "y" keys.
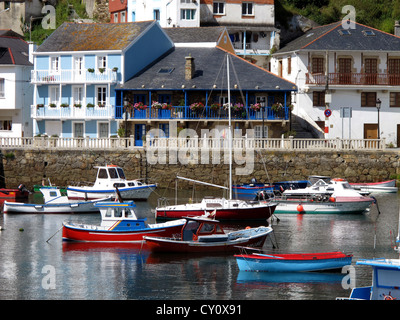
{"x": 73, "y": 76}
{"x": 185, "y": 113}
{"x": 71, "y": 112}
{"x": 195, "y": 143}
{"x": 360, "y": 79}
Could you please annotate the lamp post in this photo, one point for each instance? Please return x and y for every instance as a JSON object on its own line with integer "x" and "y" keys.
{"x": 378, "y": 107}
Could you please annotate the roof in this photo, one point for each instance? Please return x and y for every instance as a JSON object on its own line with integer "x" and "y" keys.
{"x": 72, "y": 36}
{"x": 335, "y": 37}
{"x": 14, "y": 51}
{"x": 195, "y": 34}
{"x": 210, "y": 69}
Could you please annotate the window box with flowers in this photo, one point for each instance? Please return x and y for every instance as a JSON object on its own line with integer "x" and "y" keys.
{"x": 40, "y": 105}
{"x": 90, "y": 105}
{"x": 52, "y": 105}
{"x": 215, "y": 108}
{"x": 238, "y": 110}
{"x": 101, "y": 104}
{"x": 64, "y": 105}
{"x": 197, "y": 108}
{"x": 139, "y": 109}
{"x": 77, "y": 105}
{"x": 278, "y": 110}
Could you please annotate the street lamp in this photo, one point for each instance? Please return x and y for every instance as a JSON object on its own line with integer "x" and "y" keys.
{"x": 378, "y": 107}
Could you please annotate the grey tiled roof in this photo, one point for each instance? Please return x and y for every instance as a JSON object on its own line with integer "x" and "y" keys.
{"x": 331, "y": 37}
{"x": 14, "y": 51}
{"x": 72, "y": 36}
{"x": 198, "y": 34}
{"x": 210, "y": 69}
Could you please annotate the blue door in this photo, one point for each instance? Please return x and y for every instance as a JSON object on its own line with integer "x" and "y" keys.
{"x": 140, "y": 132}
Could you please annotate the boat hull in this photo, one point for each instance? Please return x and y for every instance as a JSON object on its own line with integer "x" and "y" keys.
{"x": 250, "y": 191}
{"x": 89, "y": 233}
{"x": 13, "y": 194}
{"x": 252, "y": 212}
{"x": 134, "y": 193}
{"x": 293, "y": 263}
{"x": 256, "y": 238}
{"x": 78, "y": 207}
{"x": 314, "y": 207}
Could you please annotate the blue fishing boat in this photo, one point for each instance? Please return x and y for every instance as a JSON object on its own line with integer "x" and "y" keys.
{"x": 295, "y": 262}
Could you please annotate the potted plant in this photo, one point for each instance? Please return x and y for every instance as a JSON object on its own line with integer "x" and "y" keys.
{"x": 115, "y": 69}
{"x": 77, "y": 105}
{"x": 101, "y": 104}
{"x": 166, "y": 106}
{"x": 215, "y": 107}
{"x": 52, "y": 105}
{"x": 276, "y": 107}
{"x": 256, "y": 107}
{"x": 197, "y": 106}
{"x": 139, "y": 106}
{"x": 101, "y": 70}
{"x": 91, "y": 70}
{"x": 90, "y": 105}
{"x": 40, "y": 105}
{"x": 156, "y": 105}
{"x": 64, "y": 105}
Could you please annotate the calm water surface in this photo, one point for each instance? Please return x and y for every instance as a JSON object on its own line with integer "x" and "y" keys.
{"x": 31, "y": 268}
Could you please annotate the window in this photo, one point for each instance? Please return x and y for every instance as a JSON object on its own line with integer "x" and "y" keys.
{"x": 344, "y": 32}
{"x": 218, "y": 8}
{"x": 289, "y": 67}
{"x": 78, "y": 65}
{"x": 101, "y": 95}
{"x": 247, "y": 8}
{"x": 101, "y": 62}
{"x": 115, "y": 17}
{"x": 5, "y": 125}
{"x": 103, "y": 130}
{"x": 77, "y": 95}
{"x": 368, "y": 99}
{"x": 188, "y": 14}
{"x": 317, "y": 65}
{"x": 318, "y": 99}
{"x": 395, "y": 99}
{"x": 54, "y": 94}
{"x": 2, "y": 82}
{"x": 54, "y": 64}
{"x": 156, "y": 14}
{"x": 123, "y": 15}
{"x": 258, "y": 132}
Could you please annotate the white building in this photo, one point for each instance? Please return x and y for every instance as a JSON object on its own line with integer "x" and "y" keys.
{"x": 358, "y": 66}
{"x": 15, "y": 89}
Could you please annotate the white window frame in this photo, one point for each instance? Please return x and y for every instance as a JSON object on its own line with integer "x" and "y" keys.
{"x": 97, "y": 88}
{"x": 77, "y": 94}
{"x": 245, "y": 6}
{"x": 83, "y": 129}
{"x": 115, "y": 17}
{"x": 218, "y": 11}
{"x": 123, "y": 16}
{"x": 2, "y": 88}
{"x": 188, "y": 14}
{"x": 55, "y": 64}
{"x": 98, "y": 129}
{"x": 54, "y": 95}
{"x": 101, "y": 62}
{"x": 78, "y": 64}
{"x": 258, "y": 132}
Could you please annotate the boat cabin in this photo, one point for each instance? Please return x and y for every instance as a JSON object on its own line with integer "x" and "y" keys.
{"x": 119, "y": 216}
{"x": 112, "y": 175}
{"x": 203, "y": 230}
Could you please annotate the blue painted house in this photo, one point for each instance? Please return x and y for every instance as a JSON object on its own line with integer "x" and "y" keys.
{"x": 77, "y": 69}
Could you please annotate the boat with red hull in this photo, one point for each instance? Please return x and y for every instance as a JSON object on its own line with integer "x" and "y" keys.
{"x": 205, "y": 235}
{"x": 225, "y": 209}
{"x": 14, "y": 193}
{"x": 119, "y": 224}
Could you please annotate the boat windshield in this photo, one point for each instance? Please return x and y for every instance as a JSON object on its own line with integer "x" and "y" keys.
{"x": 113, "y": 173}
{"x": 121, "y": 173}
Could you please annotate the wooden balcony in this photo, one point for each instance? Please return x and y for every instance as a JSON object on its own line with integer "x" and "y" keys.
{"x": 185, "y": 113}
{"x": 357, "y": 79}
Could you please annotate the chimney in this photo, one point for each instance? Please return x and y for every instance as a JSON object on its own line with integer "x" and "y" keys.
{"x": 397, "y": 28}
{"x": 189, "y": 67}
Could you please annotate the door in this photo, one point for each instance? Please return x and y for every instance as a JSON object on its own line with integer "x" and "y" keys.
{"x": 394, "y": 71}
{"x": 140, "y": 132}
{"x": 371, "y": 71}
{"x": 398, "y": 136}
{"x": 345, "y": 71}
{"x": 371, "y": 132}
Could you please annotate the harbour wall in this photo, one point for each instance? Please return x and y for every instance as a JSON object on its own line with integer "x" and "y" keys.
{"x": 64, "y": 167}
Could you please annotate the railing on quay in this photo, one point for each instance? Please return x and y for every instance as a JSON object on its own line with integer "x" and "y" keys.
{"x": 206, "y": 143}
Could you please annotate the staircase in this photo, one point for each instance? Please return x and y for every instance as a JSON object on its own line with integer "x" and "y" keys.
{"x": 303, "y": 129}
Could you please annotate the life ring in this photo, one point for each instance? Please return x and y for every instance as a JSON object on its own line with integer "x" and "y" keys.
{"x": 338, "y": 179}
{"x": 388, "y": 297}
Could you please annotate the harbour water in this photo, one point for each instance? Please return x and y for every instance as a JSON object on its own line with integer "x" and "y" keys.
{"x": 31, "y": 268}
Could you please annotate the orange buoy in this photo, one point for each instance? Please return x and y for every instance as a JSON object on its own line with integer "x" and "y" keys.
{"x": 332, "y": 199}
{"x": 300, "y": 208}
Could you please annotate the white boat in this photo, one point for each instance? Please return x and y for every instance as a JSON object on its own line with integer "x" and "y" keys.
{"x": 339, "y": 197}
{"x": 226, "y": 209}
{"x": 109, "y": 178}
{"x": 376, "y": 187}
{"x": 54, "y": 202}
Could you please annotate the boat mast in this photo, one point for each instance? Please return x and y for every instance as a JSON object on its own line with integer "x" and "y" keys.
{"x": 229, "y": 129}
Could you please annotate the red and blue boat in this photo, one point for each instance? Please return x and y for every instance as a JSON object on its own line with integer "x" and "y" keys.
{"x": 295, "y": 262}
{"x": 119, "y": 224}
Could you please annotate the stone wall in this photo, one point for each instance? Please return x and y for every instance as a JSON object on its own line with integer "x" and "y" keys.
{"x": 66, "y": 167}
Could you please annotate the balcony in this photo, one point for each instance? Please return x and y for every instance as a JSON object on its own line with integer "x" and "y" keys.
{"x": 185, "y": 113}
{"x": 357, "y": 79}
{"x": 72, "y": 76}
{"x": 65, "y": 113}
